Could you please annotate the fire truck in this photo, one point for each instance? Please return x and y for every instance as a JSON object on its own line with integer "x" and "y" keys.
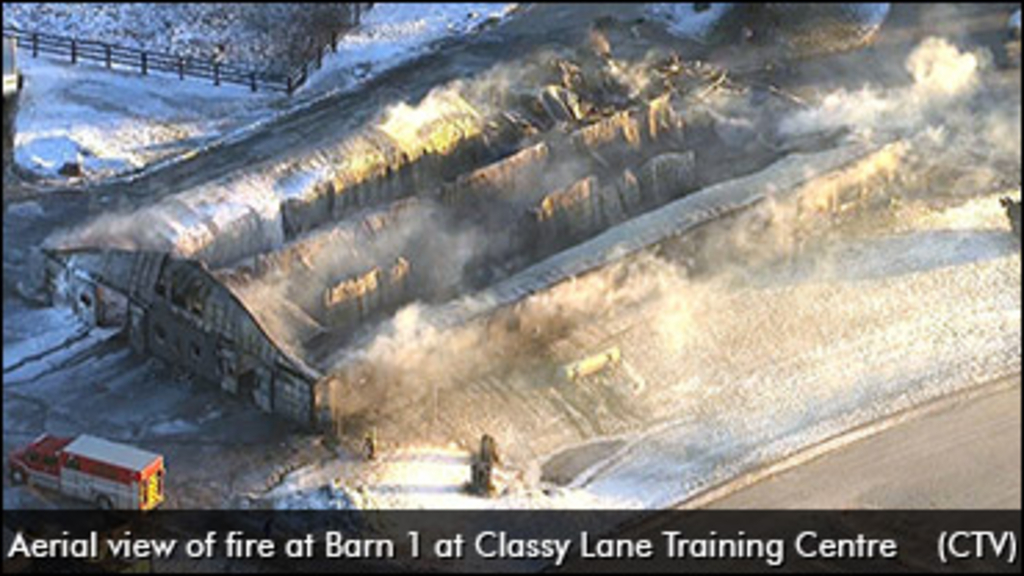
{"x": 111, "y": 475}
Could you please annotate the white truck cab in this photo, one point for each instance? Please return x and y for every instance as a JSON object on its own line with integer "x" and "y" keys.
{"x": 12, "y": 79}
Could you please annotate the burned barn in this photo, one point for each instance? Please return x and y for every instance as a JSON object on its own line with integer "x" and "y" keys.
{"x": 177, "y": 311}
{"x": 274, "y": 301}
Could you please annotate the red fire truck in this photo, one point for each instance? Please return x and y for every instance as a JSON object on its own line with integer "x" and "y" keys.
{"x": 109, "y": 474}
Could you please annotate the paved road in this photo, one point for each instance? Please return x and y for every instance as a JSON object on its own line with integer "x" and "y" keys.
{"x": 967, "y": 454}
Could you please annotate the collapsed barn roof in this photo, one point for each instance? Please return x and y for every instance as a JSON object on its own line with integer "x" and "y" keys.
{"x": 432, "y": 203}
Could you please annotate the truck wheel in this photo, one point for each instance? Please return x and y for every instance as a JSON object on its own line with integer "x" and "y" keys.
{"x": 104, "y": 503}
{"x": 17, "y": 476}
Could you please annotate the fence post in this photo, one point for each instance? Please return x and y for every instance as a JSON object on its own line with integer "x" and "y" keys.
{"x": 216, "y": 73}
{"x": 74, "y": 52}
{"x": 319, "y": 57}
{"x": 181, "y": 68}
{"x": 35, "y": 45}
{"x": 252, "y": 79}
{"x": 291, "y": 87}
{"x": 109, "y": 58}
{"x": 145, "y": 64}
{"x": 334, "y": 41}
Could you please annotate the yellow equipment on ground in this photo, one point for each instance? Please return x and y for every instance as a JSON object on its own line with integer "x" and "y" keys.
{"x": 591, "y": 365}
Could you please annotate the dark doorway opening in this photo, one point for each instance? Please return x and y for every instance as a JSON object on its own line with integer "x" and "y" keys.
{"x": 247, "y": 383}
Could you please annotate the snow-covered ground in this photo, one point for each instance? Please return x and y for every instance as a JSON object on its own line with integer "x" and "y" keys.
{"x": 115, "y": 122}
{"x": 688, "y": 19}
{"x": 49, "y": 329}
{"x": 417, "y": 477}
{"x": 393, "y": 33}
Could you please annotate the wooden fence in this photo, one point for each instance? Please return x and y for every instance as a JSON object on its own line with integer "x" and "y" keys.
{"x": 145, "y": 61}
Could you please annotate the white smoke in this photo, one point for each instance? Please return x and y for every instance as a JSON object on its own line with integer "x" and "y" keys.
{"x": 943, "y": 76}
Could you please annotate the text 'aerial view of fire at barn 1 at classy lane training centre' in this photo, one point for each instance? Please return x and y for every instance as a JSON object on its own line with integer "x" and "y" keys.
{"x": 544, "y": 256}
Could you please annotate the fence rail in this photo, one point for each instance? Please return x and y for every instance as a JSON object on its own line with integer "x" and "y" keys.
{"x": 146, "y": 61}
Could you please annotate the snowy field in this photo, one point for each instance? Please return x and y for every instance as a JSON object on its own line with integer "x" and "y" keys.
{"x": 115, "y": 123}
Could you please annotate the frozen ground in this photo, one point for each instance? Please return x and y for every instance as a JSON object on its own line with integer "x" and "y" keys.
{"x": 114, "y": 123}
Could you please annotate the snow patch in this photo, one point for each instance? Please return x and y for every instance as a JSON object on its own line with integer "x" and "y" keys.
{"x": 868, "y": 15}
{"x": 690, "y": 20}
{"x": 173, "y": 427}
{"x": 25, "y": 210}
{"x": 419, "y": 478}
{"x": 47, "y": 156}
{"x": 393, "y": 33}
{"x": 112, "y": 122}
{"x": 695, "y": 21}
{"x": 34, "y": 332}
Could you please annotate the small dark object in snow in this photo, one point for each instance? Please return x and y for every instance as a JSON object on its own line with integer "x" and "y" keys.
{"x": 1012, "y": 208}
{"x": 481, "y": 481}
{"x": 370, "y": 446}
{"x": 489, "y": 450}
{"x": 71, "y": 170}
